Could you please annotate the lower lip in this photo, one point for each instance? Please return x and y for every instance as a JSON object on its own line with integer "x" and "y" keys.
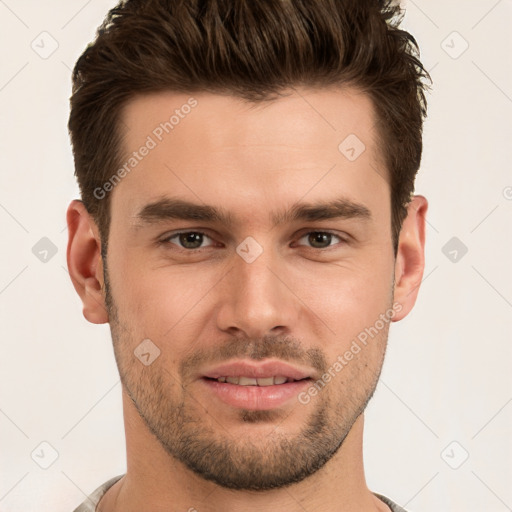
{"x": 256, "y": 397}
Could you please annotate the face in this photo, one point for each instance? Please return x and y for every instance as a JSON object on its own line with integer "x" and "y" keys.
{"x": 273, "y": 272}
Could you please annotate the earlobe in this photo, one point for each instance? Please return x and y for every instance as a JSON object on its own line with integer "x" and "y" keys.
{"x": 410, "y": 259}
{"x": 85, "y": 263}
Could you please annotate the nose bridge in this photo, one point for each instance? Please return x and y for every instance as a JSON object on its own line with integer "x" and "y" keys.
{"x": 257, "y": 300}
{"x": 254, "y": 274}
{"x": 257, "y": 275}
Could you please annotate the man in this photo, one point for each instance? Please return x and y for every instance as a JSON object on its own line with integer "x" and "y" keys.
{"x": 248, "y": 230}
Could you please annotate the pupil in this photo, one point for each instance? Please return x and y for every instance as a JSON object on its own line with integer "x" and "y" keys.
{"x": 195, "y": 239}
{"x": 191, "y": 238}
{"x": 320, "y": 237}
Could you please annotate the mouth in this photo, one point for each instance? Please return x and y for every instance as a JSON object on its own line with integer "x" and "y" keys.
{"x": 276, "y": 380}
{"x": 247, "y": 393}
{"x": 262, "y": 386}
{"x": 250, "y": 373}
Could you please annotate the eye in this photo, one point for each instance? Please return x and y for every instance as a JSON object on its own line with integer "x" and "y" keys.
{"x": 193, "y": 240}
{"x": 187, "y": 239}
{"x": 321, "y": 239}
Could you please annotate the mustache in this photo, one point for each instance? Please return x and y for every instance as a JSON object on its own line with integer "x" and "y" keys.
{"x": 288, "y": 349}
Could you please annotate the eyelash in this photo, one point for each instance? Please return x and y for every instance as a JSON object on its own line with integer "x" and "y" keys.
{"x": 167, "y": 240}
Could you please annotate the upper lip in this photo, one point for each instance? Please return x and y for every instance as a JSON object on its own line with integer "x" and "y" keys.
{"x": 257, "y": 370}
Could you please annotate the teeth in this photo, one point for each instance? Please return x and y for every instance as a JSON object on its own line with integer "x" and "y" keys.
{"x": 267, "y": 381}
{"x": 247, "y": 381}
{"x": 251, "y": 381}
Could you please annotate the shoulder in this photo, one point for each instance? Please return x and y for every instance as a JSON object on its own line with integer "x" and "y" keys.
{"x": 392, "y": 505}
{"x": 89, "y": 505}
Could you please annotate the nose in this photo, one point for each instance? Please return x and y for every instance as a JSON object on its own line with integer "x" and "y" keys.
{"x": 256, "y": 300}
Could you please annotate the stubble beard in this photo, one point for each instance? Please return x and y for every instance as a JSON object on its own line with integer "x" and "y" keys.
{"x": 203, "y": 443}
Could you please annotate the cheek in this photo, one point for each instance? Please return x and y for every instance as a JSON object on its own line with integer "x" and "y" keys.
{"x": 352, "y": 293}
{"x": 159, "y": 302}
{"x": 338, "y": 299}
{"x": 346, "y": 304}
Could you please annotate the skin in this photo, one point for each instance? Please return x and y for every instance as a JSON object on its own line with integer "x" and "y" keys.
{"x": 297, "y": 301}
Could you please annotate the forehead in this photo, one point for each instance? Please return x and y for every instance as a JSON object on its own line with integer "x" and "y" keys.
{"x": 307, "y": 116}
{"x": 220, "y": 149}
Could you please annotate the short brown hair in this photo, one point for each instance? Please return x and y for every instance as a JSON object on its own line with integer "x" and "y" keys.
{"x": 251, "y": 49}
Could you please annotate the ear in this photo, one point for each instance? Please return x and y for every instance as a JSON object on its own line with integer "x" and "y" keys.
{"x": 410, "y": 259}
{"x": 85, "y": 263}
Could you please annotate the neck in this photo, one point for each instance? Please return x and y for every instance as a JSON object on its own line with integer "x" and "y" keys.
{"x": 156, "y": 482}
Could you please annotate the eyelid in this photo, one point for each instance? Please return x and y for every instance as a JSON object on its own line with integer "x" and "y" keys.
{"x": 343, "y": 237}
{"x": 167, "y": 237}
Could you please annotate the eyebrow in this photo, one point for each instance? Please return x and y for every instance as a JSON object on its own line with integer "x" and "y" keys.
{"x": 174, "y": 208}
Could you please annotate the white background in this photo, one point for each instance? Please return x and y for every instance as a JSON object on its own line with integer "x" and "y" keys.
{"x": 447, "y": 373}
